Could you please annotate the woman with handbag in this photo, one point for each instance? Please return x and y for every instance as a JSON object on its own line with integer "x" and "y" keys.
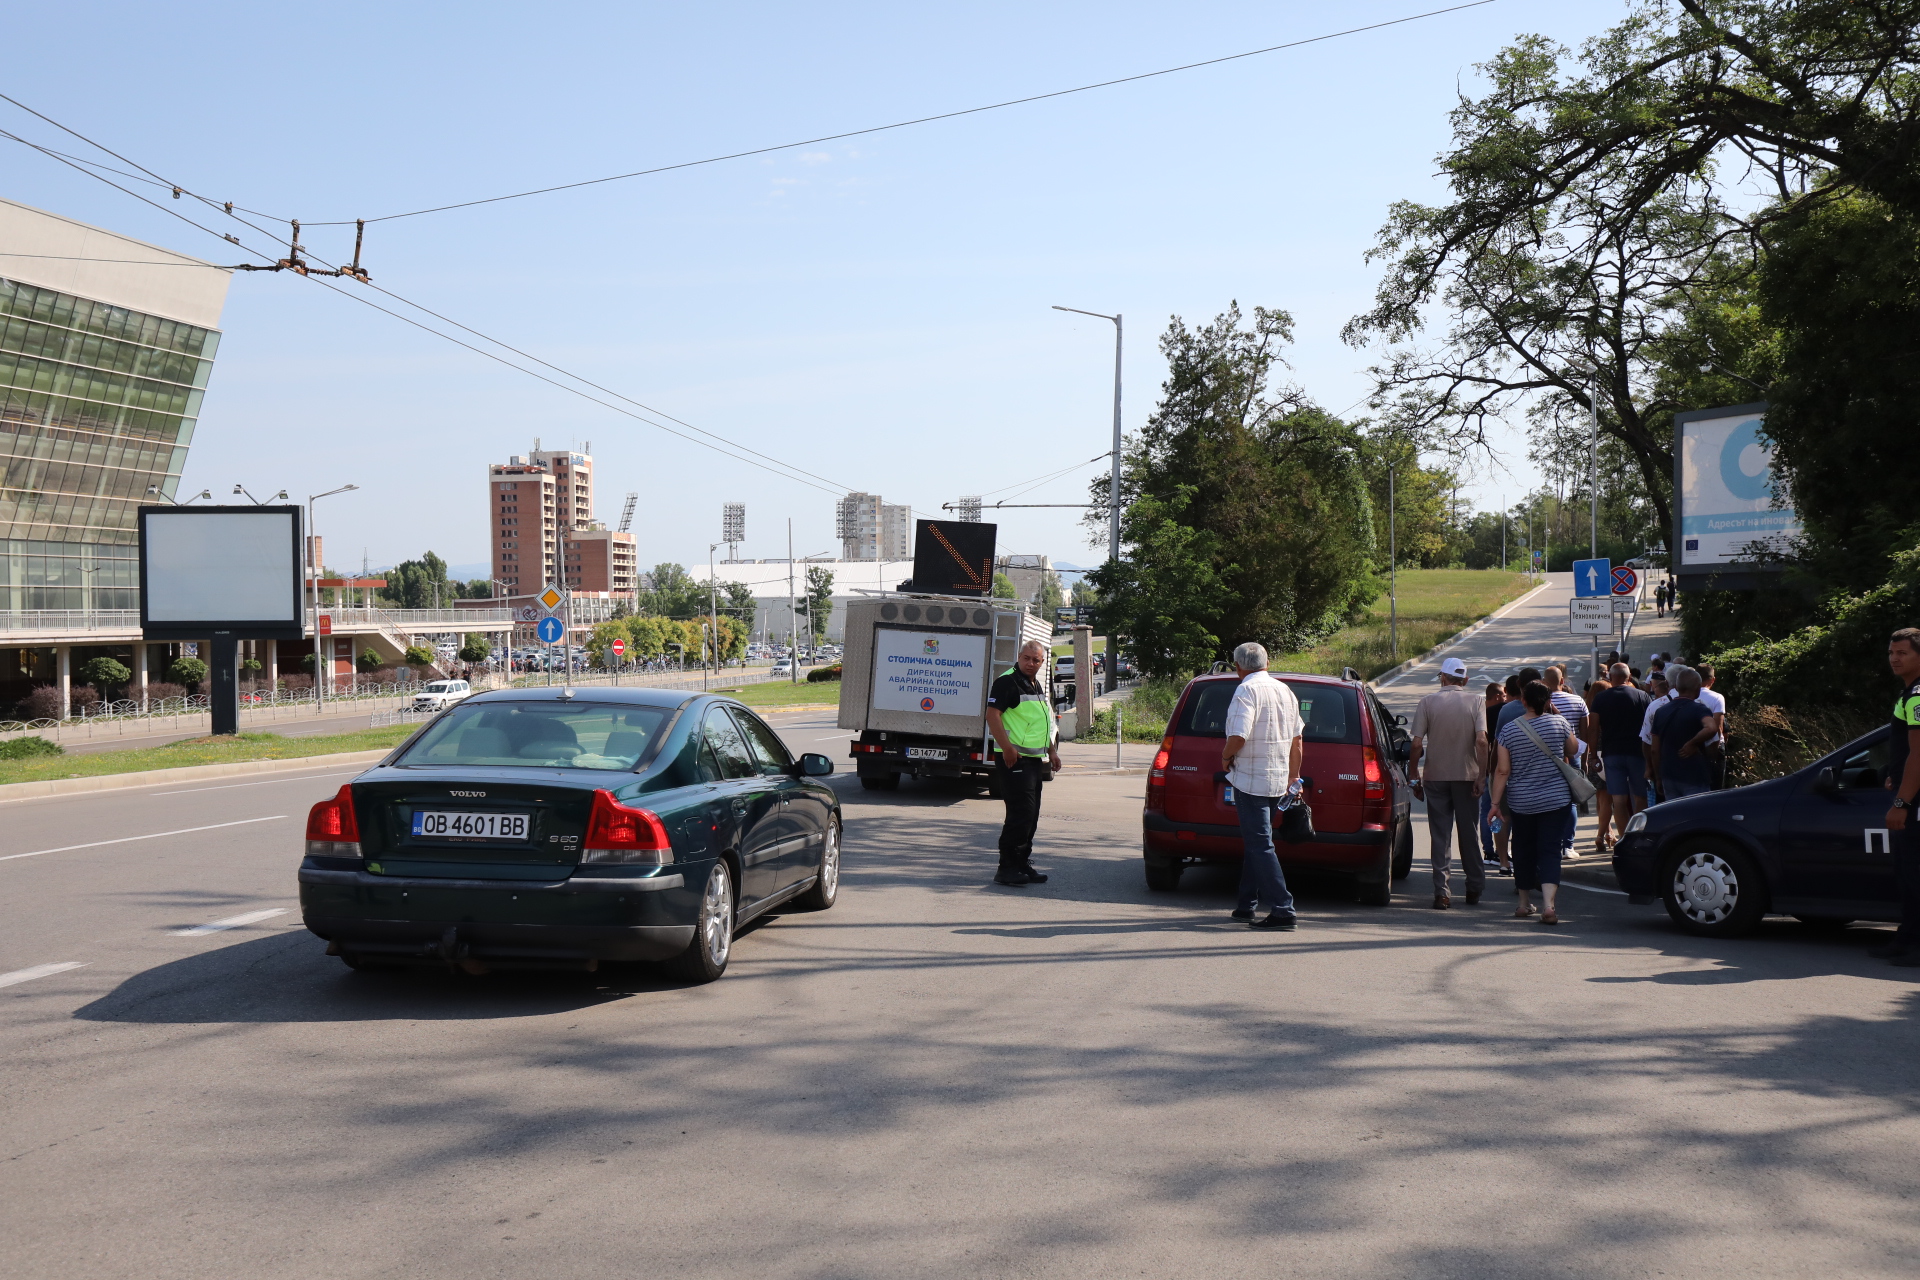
{"x": 1534, "y": 788}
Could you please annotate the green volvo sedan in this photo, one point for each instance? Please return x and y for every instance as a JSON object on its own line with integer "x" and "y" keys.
{"x": 558, "y": 828}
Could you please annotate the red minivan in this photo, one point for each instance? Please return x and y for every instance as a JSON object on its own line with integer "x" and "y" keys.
{"x": 1356, "y": 782}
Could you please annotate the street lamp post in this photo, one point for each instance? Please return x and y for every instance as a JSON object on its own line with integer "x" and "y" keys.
{"x": 313, "y": 576}
{"x": 1113, "y": 482}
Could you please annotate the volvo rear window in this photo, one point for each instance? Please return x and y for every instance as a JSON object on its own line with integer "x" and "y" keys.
{"x": 1328, "y": 712}
{"x": 538, "y": 735}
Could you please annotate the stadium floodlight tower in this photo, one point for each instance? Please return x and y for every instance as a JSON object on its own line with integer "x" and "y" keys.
{"x": 733, "y": 527}
{"x": 222, "y": 575}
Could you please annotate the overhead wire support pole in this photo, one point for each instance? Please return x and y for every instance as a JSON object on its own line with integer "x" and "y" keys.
{"x": 1113, "y": 482}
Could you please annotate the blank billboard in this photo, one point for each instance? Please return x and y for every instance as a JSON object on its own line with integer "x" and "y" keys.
{"x": 225, "y": 568}
{"x": 1724, "y": 490}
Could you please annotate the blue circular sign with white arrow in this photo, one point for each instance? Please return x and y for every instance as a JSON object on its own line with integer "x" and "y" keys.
{"x": 549, "y": 631}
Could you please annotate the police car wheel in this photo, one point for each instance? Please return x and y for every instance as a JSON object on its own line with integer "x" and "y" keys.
{"x": 1713, "y": 890}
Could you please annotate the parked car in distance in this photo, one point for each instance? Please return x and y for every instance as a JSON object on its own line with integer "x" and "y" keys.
{"x": 1353, "y": 757}
{"x": 782, "y": 669}
{"x": 438, "y": 695}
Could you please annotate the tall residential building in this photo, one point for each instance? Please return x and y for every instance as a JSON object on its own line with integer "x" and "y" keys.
{"x": 524, "y": 529}
{"x": 896, "y": 533}
{"x": 540, "y": 508}
{"x": 870, "y": 529}
{"x": 106, "y": 345}
{"x": 600, "y": 560}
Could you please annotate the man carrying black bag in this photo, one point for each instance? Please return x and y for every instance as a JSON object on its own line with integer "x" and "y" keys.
{"x": 1262, "y": 760}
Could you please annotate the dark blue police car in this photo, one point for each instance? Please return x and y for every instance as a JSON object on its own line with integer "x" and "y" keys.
{"x": 1812, "y": 844}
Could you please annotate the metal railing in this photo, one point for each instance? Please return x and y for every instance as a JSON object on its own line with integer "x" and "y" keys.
{"x": 17, "y": 621}
{"x": 57, "y": 620}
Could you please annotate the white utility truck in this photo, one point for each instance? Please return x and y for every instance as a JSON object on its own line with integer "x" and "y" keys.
{"x": 916, "y": 675}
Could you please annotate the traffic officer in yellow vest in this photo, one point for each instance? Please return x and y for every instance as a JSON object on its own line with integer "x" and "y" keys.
{"x": 1020, "y": 715}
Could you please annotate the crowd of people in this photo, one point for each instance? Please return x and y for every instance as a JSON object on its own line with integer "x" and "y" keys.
{"x": 1530, "y": 753}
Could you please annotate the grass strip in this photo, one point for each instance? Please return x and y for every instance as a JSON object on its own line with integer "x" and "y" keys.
{"x": 223, "y": 750}
{"x": 782, "y": 693}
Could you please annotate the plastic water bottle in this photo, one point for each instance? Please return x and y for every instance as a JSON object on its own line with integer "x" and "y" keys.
{"x": 1494, "y": 824}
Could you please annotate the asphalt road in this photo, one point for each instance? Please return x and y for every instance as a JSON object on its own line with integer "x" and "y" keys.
{"x": 938, "y": 1077}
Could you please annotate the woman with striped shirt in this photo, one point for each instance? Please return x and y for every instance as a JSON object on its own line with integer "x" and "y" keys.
{"x": 1529, "y": 791}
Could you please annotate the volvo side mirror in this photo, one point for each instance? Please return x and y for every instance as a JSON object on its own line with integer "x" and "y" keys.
{"x": 815, "y": 765}
{"x": 1825, "y": 783}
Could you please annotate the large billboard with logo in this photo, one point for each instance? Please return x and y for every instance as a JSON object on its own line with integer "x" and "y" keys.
{"x": 1724, "y": 503}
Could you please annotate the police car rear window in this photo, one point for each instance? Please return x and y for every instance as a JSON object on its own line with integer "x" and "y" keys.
{"x": 1328, "y": 712}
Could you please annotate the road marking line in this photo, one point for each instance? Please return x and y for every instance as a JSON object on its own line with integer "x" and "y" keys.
{"x": 152, "y": 835}
{"x": 305, "y": 777}
{"x": 39, "y": 971}
{"x": 1594, "y": 888}
{"x": 231, "y": 922}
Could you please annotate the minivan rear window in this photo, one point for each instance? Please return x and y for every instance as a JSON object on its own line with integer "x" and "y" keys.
{"x": 1328, "y": 712}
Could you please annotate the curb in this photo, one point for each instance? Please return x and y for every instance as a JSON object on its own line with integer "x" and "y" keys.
{"x": 12, "y": 791}
{"x": 1389, "y": 676}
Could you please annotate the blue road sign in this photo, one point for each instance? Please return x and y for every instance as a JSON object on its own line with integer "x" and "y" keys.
{"x": 1593, "y": 577}
{"x": 549, "y": 631}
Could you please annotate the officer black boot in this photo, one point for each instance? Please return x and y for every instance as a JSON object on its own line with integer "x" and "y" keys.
{"x": 1034, "y": 874}
{"x": 1013, "y": 876}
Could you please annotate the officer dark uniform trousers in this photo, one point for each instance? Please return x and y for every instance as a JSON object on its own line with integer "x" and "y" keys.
{"x": 1029, "y": 721}
{"x": 1905, "y": 843}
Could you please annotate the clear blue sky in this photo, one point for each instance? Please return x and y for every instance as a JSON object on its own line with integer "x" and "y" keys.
{"x": 875, "y": 310}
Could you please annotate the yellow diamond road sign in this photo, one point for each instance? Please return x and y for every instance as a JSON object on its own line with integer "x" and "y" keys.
{"x": 550, "y": 598}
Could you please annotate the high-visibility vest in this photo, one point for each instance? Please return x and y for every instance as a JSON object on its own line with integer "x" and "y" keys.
{"x": 1031, "y": 724}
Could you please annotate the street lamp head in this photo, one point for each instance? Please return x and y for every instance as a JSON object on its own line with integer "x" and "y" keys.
{"x": 239, "y": 488}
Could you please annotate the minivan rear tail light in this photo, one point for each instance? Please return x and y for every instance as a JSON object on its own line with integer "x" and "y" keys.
{"x": 1371, "y": 771}
{"x": 332, "y": 831}
{"x": 618, "y": 833}
{"x": 1157, "y": 776}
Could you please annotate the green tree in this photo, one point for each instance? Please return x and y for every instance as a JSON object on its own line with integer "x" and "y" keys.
{"x": 1085, "y": 594}
{"x": 187, "y": 671}
{"x": 417, "y": 584}
{"x": 475, "y": 648}
{"x": 819, "y": 600}
{"x": 600, "y": 643}
{"x": 1052, "y": 594}
{"x": 417, "y": 656}
{"x": 369, "y": 660}
{"x": 105, "y": 674}
{"x": 1277, "y": 481}
{"x": 1164, "y": 594}
{"x": 736, "y": 601}
{"x": 1003, "y": 588}
{"x": 674, "y": 593}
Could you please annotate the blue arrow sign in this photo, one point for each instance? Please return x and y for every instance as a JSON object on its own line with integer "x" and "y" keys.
{"x": 549, "y": 631}
{"x": 1593, "y": 577}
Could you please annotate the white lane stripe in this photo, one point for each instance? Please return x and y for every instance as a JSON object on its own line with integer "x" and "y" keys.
{"x": 152, "y": 835}
{"x": 39, "y": 971}
{"x": 1594, "y": 888}
{"x": 231, "y": 922}
{"x": 305, "y": 777}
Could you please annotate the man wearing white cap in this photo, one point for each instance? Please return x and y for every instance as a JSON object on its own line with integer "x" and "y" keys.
{"x": 1450, "y": 741}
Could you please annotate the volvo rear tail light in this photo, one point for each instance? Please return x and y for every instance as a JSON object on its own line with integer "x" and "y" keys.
{"x": 1376, "y": 778}
{"x": 332, "y": 831}
{"x": 618, "y": 833}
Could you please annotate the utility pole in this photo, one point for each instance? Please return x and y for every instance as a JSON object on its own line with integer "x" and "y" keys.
{"x": 1593, "y": 476}
{"x": 713, "y": 608}
{"x": 1113, "y": 480}
{"x": 793, "y": 616}
{"x": 1393, "y": 573}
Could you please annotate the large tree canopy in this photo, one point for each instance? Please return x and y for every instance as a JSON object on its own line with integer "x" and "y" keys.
{"x": 1247, "y": 515}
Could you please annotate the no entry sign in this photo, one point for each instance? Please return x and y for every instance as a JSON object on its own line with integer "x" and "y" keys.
{"x": 619, "y": 648}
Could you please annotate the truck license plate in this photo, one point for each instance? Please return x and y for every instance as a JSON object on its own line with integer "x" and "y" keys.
{"x": 926, "y": 753}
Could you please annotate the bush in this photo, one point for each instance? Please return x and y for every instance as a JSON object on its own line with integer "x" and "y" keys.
{"x": 42, "y": 704}
{"x": 105, "y": 672}
{"x": 824, "y": 673}
{"x": 417, "y": 656}
{"x": 188, "y": 671}
{"x": 1146, "y": 713}
{"x": 158, "y": 689}
{"x": 28, "y": 748}
{"x": 291, "y": 682}
{"x": 84, "y": 696}
{"x": 369, "y": 661}
{"x": 476, "y": 649}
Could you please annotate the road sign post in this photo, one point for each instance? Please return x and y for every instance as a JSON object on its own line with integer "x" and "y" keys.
{"x": 1592, "y": 577}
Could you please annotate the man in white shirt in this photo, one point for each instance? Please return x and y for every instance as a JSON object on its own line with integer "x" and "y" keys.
{"x": 1262, "y": 760}
{"x": 1660, "y": 694}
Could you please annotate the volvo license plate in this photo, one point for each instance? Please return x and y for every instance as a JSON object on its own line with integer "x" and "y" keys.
{"x": 926, "y": 753}
{"x": 441, "y": 824}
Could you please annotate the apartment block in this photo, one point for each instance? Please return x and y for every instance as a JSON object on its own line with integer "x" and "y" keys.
{"x": 600, "y": 560}
{"x": 523, "y": 513}
{"x": 871, "y": 529}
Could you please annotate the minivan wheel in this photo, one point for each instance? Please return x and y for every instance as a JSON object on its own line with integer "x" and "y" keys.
{"x": 1712, "y": 890}
{"x": 1403, "y": 851}
{"x": 706, "y": 956}
{"x": 1375, "y": 888}
{"x": 1163, "y": 874}
{"x": 826, "y": 884}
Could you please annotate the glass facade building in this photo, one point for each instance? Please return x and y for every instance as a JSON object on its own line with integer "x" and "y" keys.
{"x": 97, "y": 407}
